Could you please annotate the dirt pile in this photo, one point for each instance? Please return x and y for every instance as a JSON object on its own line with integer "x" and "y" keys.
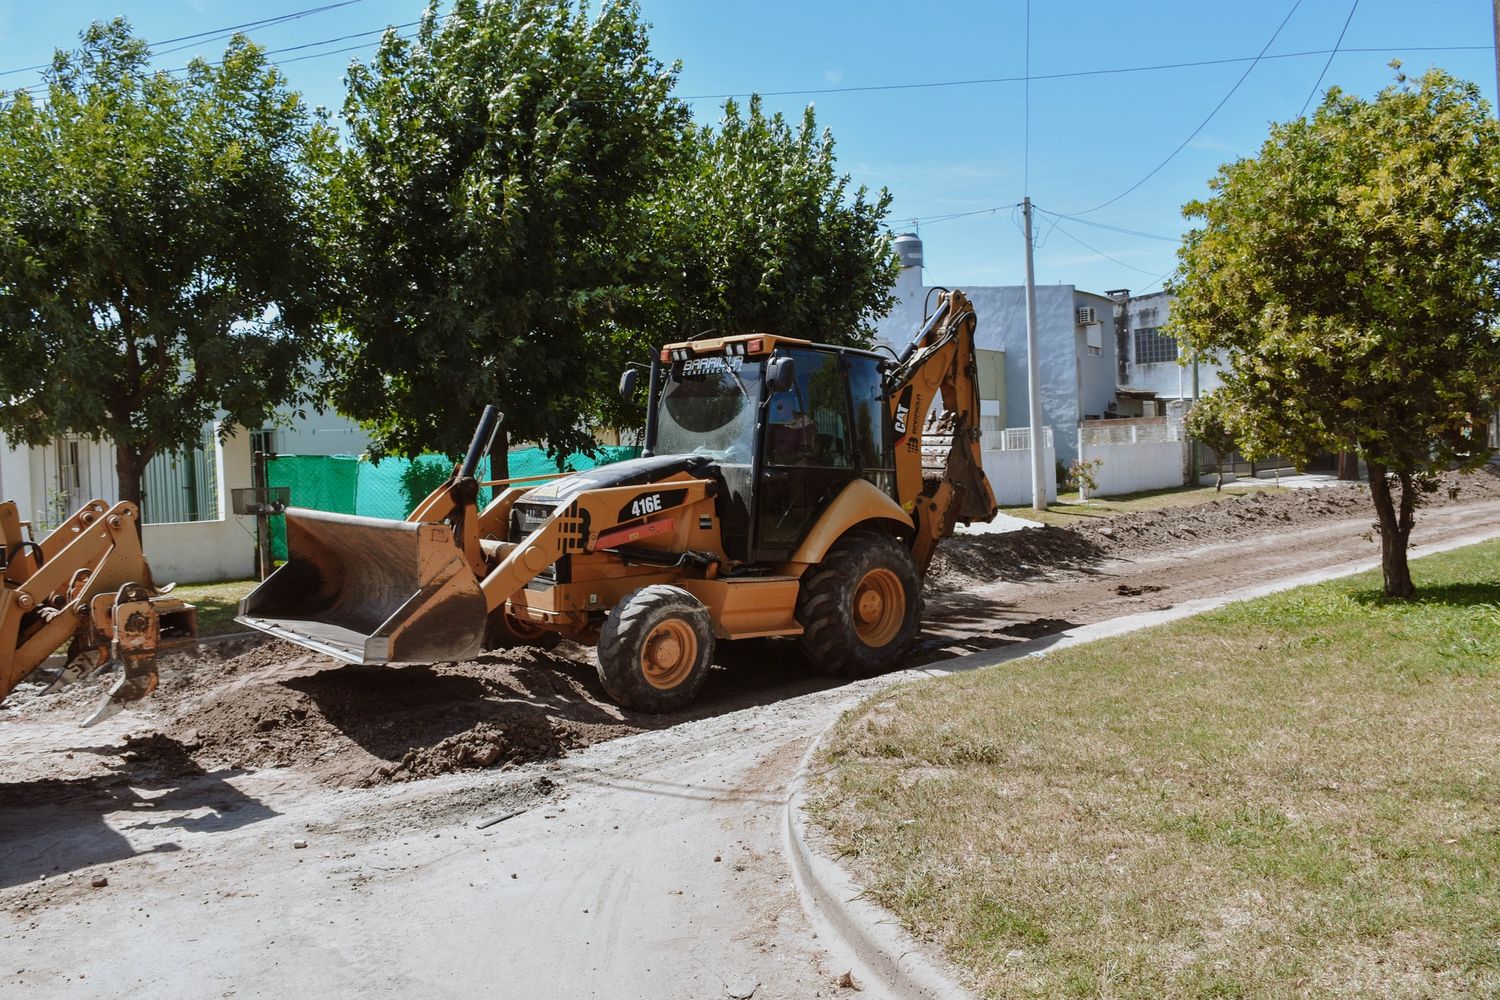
{"x": 277, "y": 705}
{"x": 973, "y": 560}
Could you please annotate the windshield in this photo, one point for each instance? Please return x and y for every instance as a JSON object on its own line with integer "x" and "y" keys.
{"x": 709, "y": 409}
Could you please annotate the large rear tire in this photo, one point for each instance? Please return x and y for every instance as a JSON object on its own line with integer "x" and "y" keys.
{"x": 861, "y": 606}
{"x": 655, "y": 649}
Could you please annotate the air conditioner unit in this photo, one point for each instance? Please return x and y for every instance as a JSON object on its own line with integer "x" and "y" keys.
{"x": 1087, "y": 316}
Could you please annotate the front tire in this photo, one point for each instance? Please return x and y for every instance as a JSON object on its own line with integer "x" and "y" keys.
{"x": 860, "y": 607}
{"x": 655, "y": 649}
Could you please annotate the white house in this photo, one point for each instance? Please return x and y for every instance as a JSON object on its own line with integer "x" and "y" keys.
{"x": 1077, "y": 355}
{"x": 1154, "y": 369}
{"x": 190, "y": 534}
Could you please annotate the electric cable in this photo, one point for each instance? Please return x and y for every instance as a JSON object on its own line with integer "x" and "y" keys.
{"x": 224, "y": 32}
{"x": 1314, "y": 92}
{"x": 1203, "y": 124}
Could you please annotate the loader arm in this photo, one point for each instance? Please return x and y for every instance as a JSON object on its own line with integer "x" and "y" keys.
{"x": 87, "y": 582}
{"x": 940, "y": 476}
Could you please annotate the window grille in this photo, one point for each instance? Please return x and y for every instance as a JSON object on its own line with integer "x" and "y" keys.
{"x": 1153, "y": 347}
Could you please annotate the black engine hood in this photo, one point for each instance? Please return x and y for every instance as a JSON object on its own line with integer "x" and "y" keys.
{"x": 631, "y": 472}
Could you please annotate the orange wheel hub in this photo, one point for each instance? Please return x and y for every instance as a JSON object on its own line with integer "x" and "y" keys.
{"x": 668, "y": 654}
{"x": 879, "y": 607}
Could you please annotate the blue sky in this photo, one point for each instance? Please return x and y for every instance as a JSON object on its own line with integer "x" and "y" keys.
{"x": 944, "y": 150}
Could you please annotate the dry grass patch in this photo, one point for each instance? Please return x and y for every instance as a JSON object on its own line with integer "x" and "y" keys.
{"x": 217, "y": 604}
{"x": 1294, "y": 796}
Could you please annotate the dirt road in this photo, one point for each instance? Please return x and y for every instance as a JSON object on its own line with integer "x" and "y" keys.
{"x": 642, "y": 859}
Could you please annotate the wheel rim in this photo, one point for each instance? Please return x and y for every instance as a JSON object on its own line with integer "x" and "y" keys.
{"x": 668, "y": 654}
{"x": 879, "y": 607}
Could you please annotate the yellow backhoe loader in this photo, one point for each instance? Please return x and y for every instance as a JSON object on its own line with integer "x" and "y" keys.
{"x": 85, "y": 586}
{"x": 786, "y": 489}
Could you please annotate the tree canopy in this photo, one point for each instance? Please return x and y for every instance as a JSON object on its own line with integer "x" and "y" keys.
{"x": 1349, "y": 274}
{"x": 759, "y": 231}
{"x": 491, "y": 199}
{"x": 161, "y": 256}
{"x": 528, "y": 209}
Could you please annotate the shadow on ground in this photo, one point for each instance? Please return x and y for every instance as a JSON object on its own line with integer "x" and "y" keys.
{"x": 56, "y": 825}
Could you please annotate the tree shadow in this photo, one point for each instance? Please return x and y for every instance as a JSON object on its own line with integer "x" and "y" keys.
{"x": 1461, "y": 595}
{"x": 55, "y": 825}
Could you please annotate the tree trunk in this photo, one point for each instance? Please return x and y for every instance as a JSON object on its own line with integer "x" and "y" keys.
{"x": 130, "y": 467}
{"x": 1395, "y": 514}
{"x": 1348, "y": 467}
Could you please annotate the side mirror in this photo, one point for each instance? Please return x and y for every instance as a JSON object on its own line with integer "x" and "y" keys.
{"x": 782, "y": 373}
{"x": 628, "y": 379}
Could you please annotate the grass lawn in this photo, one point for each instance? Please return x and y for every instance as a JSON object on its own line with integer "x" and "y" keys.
{"x": 217, "y": 604}
{"x": 1293, "y": 796}
{"x": 1068, "y": 510}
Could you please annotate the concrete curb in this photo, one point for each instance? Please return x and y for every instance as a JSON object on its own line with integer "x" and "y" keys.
{"x": 864, "y": 937}
{"x": 860, "y": 935}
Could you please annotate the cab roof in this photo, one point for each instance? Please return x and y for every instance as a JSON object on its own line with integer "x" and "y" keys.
{"x": 752, "y": 344}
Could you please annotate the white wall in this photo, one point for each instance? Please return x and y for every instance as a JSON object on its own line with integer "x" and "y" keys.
{"x": 1169, "y": 379}
{"x": 188, "y": 552}
{"x": 1135, "y": 455}
{"x": 209, "y": 551}
{"x": 327, "y": 433}
{"x": 15, "y": 475}
{"x": 1096, "y": 381}
{"x": 1009, "y": 473}
{"x": 1001, "y": 313}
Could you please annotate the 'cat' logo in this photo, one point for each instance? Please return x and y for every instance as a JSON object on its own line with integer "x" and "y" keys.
{"x": 903, "y": 411}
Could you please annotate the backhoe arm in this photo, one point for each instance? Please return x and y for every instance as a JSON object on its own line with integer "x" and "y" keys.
{"x": 934, "y": 398}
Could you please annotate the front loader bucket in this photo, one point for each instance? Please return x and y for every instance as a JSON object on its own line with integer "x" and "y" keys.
{"x": 369, "y": 590}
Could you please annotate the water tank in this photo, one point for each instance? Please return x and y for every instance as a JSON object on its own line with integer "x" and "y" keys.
{"x": 909, "y": 247}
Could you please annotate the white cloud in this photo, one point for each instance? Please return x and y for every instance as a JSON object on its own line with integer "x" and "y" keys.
{"x": 1211, "y": 144}
{"x": 833, "y": 76}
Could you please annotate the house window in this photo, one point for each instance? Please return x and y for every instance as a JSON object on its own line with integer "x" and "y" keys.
{"x": 182, "y": 485}
{"x": 1153, "y": 347}
{"x": 68, "y": 488}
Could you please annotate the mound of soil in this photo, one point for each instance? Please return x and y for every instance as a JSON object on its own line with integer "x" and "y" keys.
{"x": 277, "y": 705}
{"x": 965, "y": 561}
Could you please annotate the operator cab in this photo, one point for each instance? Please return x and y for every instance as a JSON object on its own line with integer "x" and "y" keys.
{"x": 800, "y": 419}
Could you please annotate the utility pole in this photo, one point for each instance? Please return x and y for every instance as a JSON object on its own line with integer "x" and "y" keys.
{"x": 1496, "y": 6}
{"x": 1034, "y": 368}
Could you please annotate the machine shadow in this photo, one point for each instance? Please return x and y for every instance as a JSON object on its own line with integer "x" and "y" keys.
{"x": 52, "y": 826}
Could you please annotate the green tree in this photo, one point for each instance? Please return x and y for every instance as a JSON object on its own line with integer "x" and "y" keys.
{"x": 1349, "y": 274}
{"x": 160, "y": 255}
{"x": 492, "y": 200}
{"x": 1209, "y": 421}
{"x": 759, "y": 231}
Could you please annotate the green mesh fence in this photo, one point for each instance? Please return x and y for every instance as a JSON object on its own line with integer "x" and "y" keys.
{"x": 343, "y": 484}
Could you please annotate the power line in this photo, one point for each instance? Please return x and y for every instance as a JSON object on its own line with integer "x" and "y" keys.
{"x": 1112, "y": 228}
{"x": 1075, "y": 74}
{"x": 1313, "y": 93}
{"x": 1203, "y": 124}
{"x": 1058, "y": 227}
{"x": 216, "y": 32}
